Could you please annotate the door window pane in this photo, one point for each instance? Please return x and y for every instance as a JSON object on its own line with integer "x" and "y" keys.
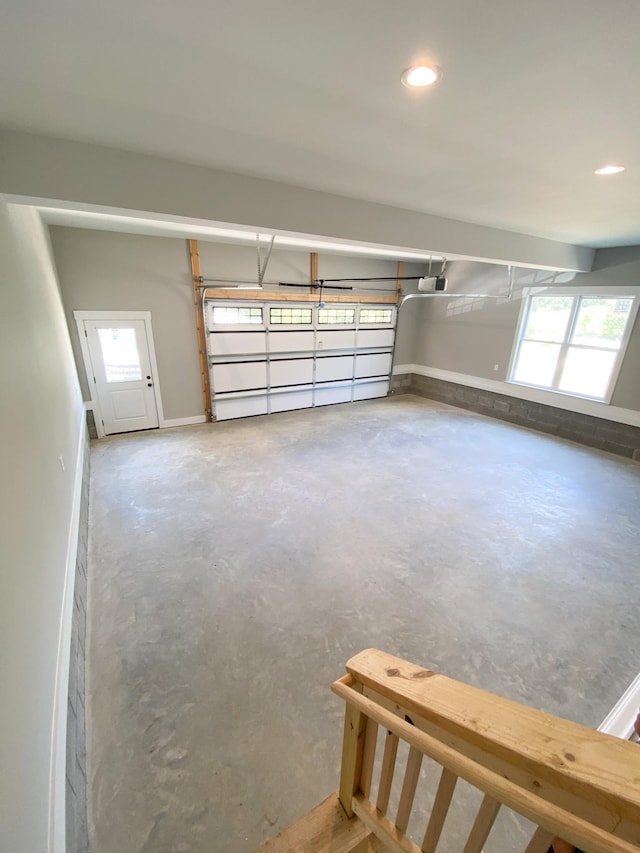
{"x": 587, "y": 371}
{"x": 548, "y": 318}
{"x": 536, "y": 363}
{"x": 120, "y": 355}
{"x": 601, "y": 322}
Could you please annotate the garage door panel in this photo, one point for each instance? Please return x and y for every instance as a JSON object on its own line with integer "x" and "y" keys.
{"x": 375, "y": 364}
{"x": 240, "y": 407}
{"x": 343, "y": 339}
{"x": 239, "y": 376}
{"x": 291, "y": 371}
{"x": 334, "y": 367}
{"x": 290, "y": 341}
{"x": 370, "y": 390}
{"x": 375, "y": 338}
{"x": 286, "y": 401}
{"x": 327, "y": 395}
{"x": 237, "y": 343}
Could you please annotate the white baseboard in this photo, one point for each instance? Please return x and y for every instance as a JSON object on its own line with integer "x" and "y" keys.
{"x": 58, "y": 794}
{"x": 620, "y": 719}
{"x": 522, "y": 392}
{"x": 176, "y": 422}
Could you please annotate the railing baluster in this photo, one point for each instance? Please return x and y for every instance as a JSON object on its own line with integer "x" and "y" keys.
{"x": 355, "y": 722}
{"x": 368, "y": 756}
{"x": 440, "y": 809}
{"x": 540, "y": 842}
{"x": 386, "y": 774}
{"x": 487, "y": 813}
{"x": 411, "y": 776}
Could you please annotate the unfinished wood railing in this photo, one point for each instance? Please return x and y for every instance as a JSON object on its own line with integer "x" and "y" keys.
{"x": 571, "y": 781}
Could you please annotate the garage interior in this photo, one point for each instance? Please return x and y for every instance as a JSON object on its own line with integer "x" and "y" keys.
{"x": 299, "y": 362}
{"x": 230, "y": 587}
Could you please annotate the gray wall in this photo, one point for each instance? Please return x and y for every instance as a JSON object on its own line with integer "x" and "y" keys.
{"x": 238, "y": 261}
{"x": 407, "y": 331}
{"x": 466, "y": 335}
{"x": 102, "y": 270}
{"x": 621, "y": 268}
{"x": 471, "y": 336}
{"x": 46, "y": 168}
{"x": 42, "y": 423}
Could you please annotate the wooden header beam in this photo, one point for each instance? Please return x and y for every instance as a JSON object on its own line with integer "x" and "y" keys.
{"x": 276, "y": 296}
{"x": 194, "y": 254}
{"x": 399, "y": 274}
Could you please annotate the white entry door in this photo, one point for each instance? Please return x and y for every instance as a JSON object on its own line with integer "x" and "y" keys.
{"x": 122, "y": 375}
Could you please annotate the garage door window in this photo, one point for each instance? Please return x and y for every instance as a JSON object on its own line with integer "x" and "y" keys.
{"x": 573, "y": 344}
{"x": 290, "y": 316}
{"x": 375, "y": 316}
{"x": 336, "y": 316}
{"x": 229, "y": 315}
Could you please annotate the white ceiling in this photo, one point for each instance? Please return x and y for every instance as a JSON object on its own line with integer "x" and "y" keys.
{"x": 534, "y": 97}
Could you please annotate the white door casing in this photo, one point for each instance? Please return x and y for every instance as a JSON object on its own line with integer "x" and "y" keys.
{"x": 121, "y": 370}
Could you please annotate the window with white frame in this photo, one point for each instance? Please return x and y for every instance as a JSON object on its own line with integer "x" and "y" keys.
{"x": 572, "y": 344}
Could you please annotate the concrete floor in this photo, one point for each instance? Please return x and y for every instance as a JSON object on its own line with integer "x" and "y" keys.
{"x": 234, "y": 568}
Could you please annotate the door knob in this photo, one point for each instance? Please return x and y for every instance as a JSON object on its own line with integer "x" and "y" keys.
{"x": 150, "y": 384}
{"x": 148, "y": 377}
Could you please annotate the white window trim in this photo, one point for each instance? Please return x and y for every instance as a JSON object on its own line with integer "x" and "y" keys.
{"x": 621, "y": 718}
{"x": 587, "y": 292}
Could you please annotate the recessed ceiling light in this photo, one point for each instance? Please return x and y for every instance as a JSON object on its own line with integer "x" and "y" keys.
{"x": 610, "y": 169}
{"x": 420, "y": 75}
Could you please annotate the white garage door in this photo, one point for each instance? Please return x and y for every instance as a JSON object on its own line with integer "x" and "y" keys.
{"x": 269, "y": 357}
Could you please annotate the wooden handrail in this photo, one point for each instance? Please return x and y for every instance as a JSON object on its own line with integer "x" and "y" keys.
{"x": 569, "y": 779}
